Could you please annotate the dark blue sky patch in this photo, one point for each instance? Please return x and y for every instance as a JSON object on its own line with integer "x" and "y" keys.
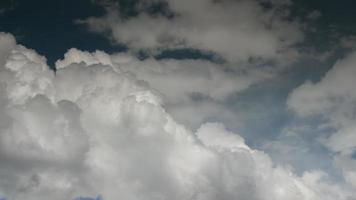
{"x": 89, "y": 198}
{"x": 353, "y": 155}
{"x": 132, "y": 8}
{"x": 335, "y": 13}
{"x": 6, "y": 5}
{"x": 49, "y": 28}
{"x": 189, "y": 54}
{"x": 338, "y": 19}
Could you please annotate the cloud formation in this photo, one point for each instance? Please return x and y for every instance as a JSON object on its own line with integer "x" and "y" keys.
{"x": 194, "y": 91}
{"x": 94, "y": 128}
{"x": 333, "y": 99}
{"x": 234, "y": 30}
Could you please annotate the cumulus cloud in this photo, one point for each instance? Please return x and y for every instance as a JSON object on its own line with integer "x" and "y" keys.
{"x": 194, "y": 91}
{"x": 176, "y": 79}
{"x": 93, "y": 129}
{"x": 234, "y": 30}
{"x": 333, "y": 99}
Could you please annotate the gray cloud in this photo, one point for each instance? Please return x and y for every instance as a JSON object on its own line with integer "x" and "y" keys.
{"x": 235, "y": 30}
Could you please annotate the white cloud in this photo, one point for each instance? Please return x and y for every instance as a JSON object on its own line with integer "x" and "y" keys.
{"x": 180, "y": 81}
{"x": 176, "y": 79}
{"x": 235, "y": 30}
{"x": 94, "y": 129}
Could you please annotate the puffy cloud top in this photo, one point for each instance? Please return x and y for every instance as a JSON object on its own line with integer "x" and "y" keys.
{"x": 94, "y": 129}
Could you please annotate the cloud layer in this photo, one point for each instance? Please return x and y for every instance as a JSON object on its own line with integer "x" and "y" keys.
{"x": 234, "y": 30}
{"x": 94, "y": 128}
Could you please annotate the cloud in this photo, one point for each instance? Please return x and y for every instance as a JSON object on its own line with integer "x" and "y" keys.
{"x": 333, "y": 99}
{"x": 348, "y": 42}
{"x": 234, "y": 30}
{"x": 93, "y": 129}
{"x": 176, "y": 79}
{"x": 314, "y": 15}
{"x": 194, "y": 91}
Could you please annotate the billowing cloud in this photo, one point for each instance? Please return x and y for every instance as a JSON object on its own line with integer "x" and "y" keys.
{"x": 176, "y": 79}
{"x": 194, "y": 91}
{"x": 234, "y": 30}
{"x": 333, "y": 99}
{"x": 94, "y": 129}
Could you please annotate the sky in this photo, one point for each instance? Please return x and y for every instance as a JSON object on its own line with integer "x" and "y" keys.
{"x": 177, "y": 99}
